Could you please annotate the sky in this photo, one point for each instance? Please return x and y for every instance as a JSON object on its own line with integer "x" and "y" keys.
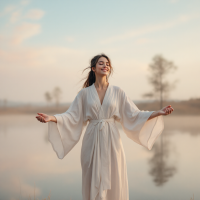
{"x": 47, "y": 44}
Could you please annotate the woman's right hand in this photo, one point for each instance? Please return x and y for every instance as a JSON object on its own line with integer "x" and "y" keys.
{"x": 43, "y": 117}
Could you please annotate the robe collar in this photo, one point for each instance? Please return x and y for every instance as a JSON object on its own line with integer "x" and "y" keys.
{"x": 97, "y": 96}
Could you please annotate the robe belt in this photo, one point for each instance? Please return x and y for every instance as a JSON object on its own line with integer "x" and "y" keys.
{"x": 102, "y": 154}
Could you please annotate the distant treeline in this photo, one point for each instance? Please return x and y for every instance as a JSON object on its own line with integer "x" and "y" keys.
{"x": 186, "y": 107}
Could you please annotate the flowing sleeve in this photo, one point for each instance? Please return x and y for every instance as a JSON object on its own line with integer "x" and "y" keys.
{"x": 136, "y": 125}
{"x": 65, "y": 134}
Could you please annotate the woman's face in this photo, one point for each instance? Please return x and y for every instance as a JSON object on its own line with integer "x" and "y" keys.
{"x": 102, "y": 67}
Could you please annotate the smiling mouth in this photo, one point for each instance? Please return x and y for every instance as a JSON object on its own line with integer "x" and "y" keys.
{"x": 104, "y": 70}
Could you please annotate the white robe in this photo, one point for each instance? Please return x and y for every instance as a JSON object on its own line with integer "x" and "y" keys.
{"x": 104, "y": 171}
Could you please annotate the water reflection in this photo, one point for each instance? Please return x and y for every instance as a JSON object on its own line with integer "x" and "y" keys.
{"x": 183, "y": 124}
{"x": 160, "y": 169}
{"x": 27, "y": 157}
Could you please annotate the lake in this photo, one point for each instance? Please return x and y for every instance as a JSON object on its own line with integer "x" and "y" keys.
{"x": 28, "y": 164}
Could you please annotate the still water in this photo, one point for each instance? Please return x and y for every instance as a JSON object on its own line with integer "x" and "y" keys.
{"x": 28, "y": 164}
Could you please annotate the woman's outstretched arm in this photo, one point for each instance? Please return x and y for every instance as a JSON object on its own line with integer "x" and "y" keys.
{"x": 46, "y": 118}
{"x": 164, "y": 111}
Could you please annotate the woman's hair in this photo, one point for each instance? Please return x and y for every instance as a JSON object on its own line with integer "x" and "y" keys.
{"x": 90, "y": 78}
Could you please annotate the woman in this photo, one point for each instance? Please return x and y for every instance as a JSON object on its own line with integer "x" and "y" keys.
{"x": 104, "y": 171}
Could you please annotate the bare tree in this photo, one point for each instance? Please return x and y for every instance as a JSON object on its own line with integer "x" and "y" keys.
{"x": 159, "y": 68}
{"x": 48, "y": 97}
{"x": 57, "y": 95}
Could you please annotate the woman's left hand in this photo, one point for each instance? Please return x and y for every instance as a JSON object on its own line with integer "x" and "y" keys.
{"x": 166, "y": 110}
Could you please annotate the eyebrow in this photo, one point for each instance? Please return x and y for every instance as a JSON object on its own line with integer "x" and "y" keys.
{"x": 103, "y": 61}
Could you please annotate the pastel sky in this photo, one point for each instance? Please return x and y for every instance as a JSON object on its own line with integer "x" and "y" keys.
{"x": 48, "y": 43}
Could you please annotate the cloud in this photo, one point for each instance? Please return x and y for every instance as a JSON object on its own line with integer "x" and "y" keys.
{"x": 7, "y": 10}
{"x": 35, "y": 14}
{"x": 150, "y": 29}
{"x": 15, "y": 16}
{"x": 25, "y": 31}
{"x": 39, "y": 57}
{"x": 25, "y": 2}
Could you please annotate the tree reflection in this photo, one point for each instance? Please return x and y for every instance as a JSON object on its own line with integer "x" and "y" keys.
{"x": 160, "y": 168}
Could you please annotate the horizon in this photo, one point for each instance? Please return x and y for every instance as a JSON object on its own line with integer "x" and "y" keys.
{"x": 21, "y": 103}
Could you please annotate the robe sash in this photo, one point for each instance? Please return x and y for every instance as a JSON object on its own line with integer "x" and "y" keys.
{"x": 101, "y": 149}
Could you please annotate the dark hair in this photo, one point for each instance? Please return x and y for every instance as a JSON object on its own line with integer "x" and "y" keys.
{"x": 90, "y": 78}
